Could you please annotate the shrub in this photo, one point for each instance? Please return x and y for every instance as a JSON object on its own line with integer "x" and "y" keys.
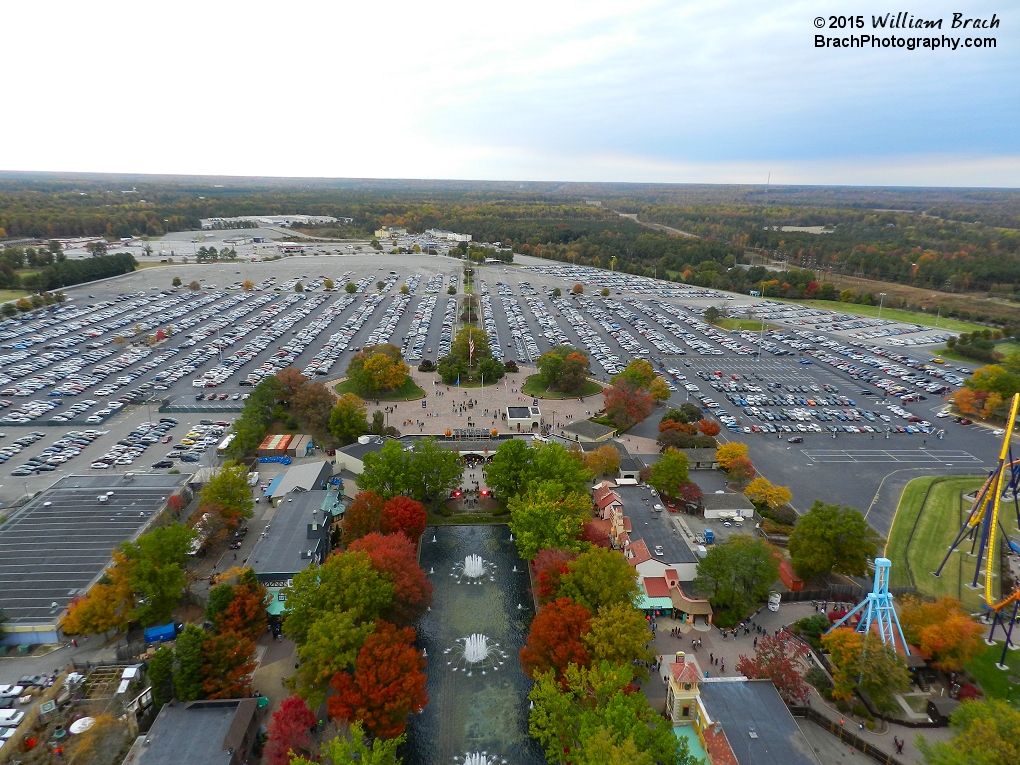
{"x": 784, "y": 515}
{"x": 727, "y": 619}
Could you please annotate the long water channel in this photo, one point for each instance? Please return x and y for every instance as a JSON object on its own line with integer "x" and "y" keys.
{"x": 481, "y": 610}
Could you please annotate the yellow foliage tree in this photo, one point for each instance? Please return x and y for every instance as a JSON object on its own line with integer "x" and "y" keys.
{"x": 728, "y": 452}
{"x": 602, "y": 461}
{"x": 992, "y": 405}
{"x": 108, "y": 605}
{"x": 659, "y": 390}
{"x": 762, "y": 492}
{"x": 247, "y": 285}
{"x": 845, "y": 647}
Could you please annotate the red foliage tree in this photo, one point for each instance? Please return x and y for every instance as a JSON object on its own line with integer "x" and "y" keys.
{"x": 405, "y": 515}
{"x": 627, "y": 403}
{"x": 229, "y": 665}
{"x": 741, "y": 470}
{"x": 555, "y": 638}
{"x": 387, "y": 685}
{"x": 289, "y": 731}
{"x": 393, "y": 555}
{"x": 363, "y": 516}
{"x": 690, "y": 492}
{"x": 176, "y": 503}
{"x": 550, "y": 564}
{"x": 246, "y": 614}
{"x": 708, "y": 428}
{"x": 777, "y": 659}
{"x": 682, "y": 427}
{"x": 594, "y": 535}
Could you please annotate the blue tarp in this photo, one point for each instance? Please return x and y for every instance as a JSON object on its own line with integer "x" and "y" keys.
{"x": 272, "y": 485}
{"x": 160, "y": 633}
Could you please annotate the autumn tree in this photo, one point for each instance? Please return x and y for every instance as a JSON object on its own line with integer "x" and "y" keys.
{"x": 563, "y": 368}
{"x": 659, "y": 390}
{"x": 387, "y": 685}
{"x": 395, "y": 556}
{"x": 669, "y": 473}
{"x": 555, "y": 640}
{"x": 708, "y": 428}
{"x": 942, "y": 630}
{"x": 604, "y": 460}
{"x": 347, "y": 420}
{"x": 987, "y": 733}
{"x": 689, "y": 493}
{"x": 778, "y": 659}
{"x": 229, "y": 662}
{"x": 363, "y": 516}
{"x": 313, "y": 406}
{"x": 247, "y": 285}
{"x": 290, "y": 731}
{"x": 548, "y": 517}
{"x": 865, "y": 661}
{"x": 245, "y": 613}
{"x": 829, "y": 538}
{"x": 598, "y": 578}
{"x": 620, "y": 635}
{"x": 405, "y": 516}
{"x": 290, "y": 380}
{"x": 331, "y": 646}
{"x": 108, "y": 605}
{"x": 639, "y": 372}
{"x": 345, "y": 582}
{"x": 550, "y": 565}
{"x": 740, "y": 470}
{"x": 377, "y": 369}
{"x": 762, "y": 493}
{"x": 728, "y": 452}
{"x": 627, "y": 404}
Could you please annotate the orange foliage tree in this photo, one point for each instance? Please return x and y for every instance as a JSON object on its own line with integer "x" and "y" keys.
{"x": 229, "y": 662}
{"x": 405, "y": 515}
{"x": 108, "y": 605}
{"x": 363, "y": 515}
{"x": 393, "y": 555}
{"x": 387, "y": 685}
{"x": 627, "y": 403}
{"x": 708, "y": 428}
{"x": 555, "y": 638}
{"x": 942, "y": 630}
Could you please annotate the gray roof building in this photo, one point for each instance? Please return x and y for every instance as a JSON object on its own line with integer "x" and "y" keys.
{"x": 727, "y": 501}
{"x": 214, "y": 732}
{"x": 757, "y": 725}
{"x": 305, "y": 477}
{"x": 586, "y": 430}
{"x": 297, "y": 535}
{"x": 654, "y": 527}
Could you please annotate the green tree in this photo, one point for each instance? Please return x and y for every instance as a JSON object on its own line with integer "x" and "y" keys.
{"x": 331, "y": 646}
{"x": 595, "y": 704}
{"x": 176, "y": 282}
{"x": 829, "y": 538}
{"x": 347, "y": 420}
{"x": 737, "y": 573}
{"x": 547, "y": 516}
{"x": 865, "y": 661}
{"x": 228, "y": 487}
{"x": 345, "y": 582}
{"x": 599, "y": 578}
{"x": 350, "y": 288}
{"x": 427, "y": 473}
{"x": 161, "y": 676}
{"x": 355, "y": 750}
{"x": 515, "y": 466}
{"x": 987, "y": 733}
{"x": 638, "y": 371}
{"x": 190, "y": 656}
{"x": 385, "y": 471}
{"x": 157, "y": 573}
{"x": 669, "y": 473}
{"x": 620, "y": 635}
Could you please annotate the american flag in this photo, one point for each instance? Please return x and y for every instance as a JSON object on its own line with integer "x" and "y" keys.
{"x": 471, "y": 346}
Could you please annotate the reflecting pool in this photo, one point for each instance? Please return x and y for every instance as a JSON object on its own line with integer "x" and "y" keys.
{"x": 478, "y": 695}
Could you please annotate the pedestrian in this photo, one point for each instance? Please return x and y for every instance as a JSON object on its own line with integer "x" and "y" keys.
{"x": 840, "y": 722}
{"x": 711, "y": 658}
{"x": 899, "y": 748}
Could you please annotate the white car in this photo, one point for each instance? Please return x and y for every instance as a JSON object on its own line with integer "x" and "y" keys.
{"x": 10, "y": 691}
{"x": 99, "y": 466}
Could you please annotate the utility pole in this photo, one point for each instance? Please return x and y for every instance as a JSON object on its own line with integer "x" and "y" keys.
{"x": 881, "y": 298}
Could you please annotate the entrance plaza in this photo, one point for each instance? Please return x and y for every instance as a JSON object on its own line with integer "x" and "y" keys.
{"x": 449, "y": 407}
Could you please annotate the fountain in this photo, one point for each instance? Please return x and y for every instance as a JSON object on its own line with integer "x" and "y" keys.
{"x": 475, "y": 652}
{"x": 473, "y": 570}
{"x": 479, "y": 758}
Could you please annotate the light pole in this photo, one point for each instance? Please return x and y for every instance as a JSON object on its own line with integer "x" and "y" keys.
{"x": 939, "y": 315}
{"x": 881, "y": 298}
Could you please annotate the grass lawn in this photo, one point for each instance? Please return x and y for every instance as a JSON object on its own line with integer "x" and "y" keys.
{"x": 896, "y": 314}
{"x": 466, "y": 519}
{"x": 409, "y": 391}
{"x": 156, "y": 264}
{"x": 922, "y": 533}
{"x": 6, "y": 295}
{"x": 751, "y": 324}
{"x": 949, "y": 355}
{"x": 994, "y": 681}
{"x": 533, "y": 387}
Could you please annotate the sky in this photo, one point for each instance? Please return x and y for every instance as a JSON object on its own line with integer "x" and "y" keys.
{"x": 720, "y": 91}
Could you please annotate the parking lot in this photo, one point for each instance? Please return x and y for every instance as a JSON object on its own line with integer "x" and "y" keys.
{"x": 83, "y": 371}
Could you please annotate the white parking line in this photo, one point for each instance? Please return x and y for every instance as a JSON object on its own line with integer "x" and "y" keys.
{"x": 947, "y": 457}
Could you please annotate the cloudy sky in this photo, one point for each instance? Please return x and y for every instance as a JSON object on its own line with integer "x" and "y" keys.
{"x": 642, "y": 90}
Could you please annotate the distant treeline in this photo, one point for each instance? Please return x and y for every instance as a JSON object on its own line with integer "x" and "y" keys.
{"x": 62, "y": 272}
{"x": 931, "y": 238}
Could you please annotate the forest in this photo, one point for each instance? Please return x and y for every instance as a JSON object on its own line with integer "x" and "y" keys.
{"x": 958, "y": 240}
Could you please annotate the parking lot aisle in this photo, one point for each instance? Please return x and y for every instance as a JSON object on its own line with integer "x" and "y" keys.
{"x": 948, "y": 457}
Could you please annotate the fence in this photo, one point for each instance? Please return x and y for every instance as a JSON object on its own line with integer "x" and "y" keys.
{"x": 846, "y": 736}
{"x": 840, "y": 592}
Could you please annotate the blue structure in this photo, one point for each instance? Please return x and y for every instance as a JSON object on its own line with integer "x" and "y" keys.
{"x": 879, "y": 610}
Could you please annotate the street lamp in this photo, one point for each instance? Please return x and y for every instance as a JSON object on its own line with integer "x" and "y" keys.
{"x": 939, "y": 315}
{"x": 881, "y": 298}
